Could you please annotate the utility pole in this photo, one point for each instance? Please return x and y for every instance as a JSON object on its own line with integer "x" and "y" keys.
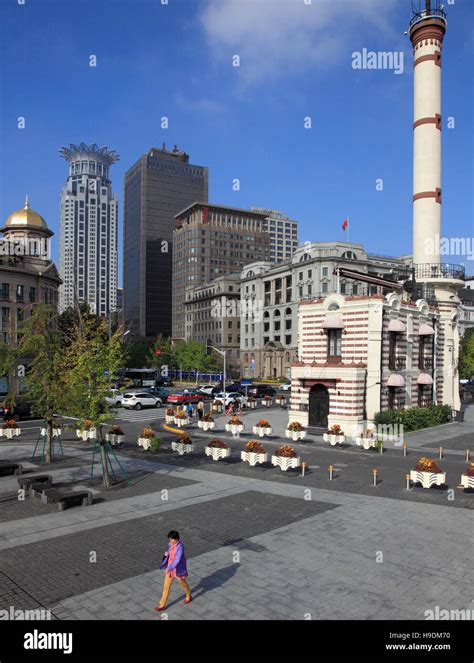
{"x": 223, "y": 353}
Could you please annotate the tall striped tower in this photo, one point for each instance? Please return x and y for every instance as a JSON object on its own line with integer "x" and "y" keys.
{"x": 437, "y": 282}
{"x": 427, "y": 29}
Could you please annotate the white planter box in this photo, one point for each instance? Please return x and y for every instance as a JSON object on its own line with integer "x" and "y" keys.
{"x": 285, "y": 463}
{"x": 182, "y": 448}
{"x": 114, "y": 439}
{"x": 169, "y": 419}
{"x": 333, "y": 439}
{"x": 10, "y": 432}
{"x": 216, "y": 454}
{"x": 207, "y": 425}
{"x": 87, "y": 434}
{"x": 467, "y": 482}
{"x": 261, "y": 431}
{"x": 295, "y": 435}
{"x": 181, "y": 422}
{"x": 428, "y": 479}
{"x": 144, "y": 442}
{"x": 366, "y": 442}
{"x": 56, "y": 432}
{"x": 219, "y": 408}
{"x": 252, "y": 404}
{"x": 253, "y": 458}
{"x": 234, "y": 428}
{"x": 266, "y": 403}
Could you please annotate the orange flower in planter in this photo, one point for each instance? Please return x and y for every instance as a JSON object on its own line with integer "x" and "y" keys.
{"x": 335, "y": 430}
{"x": 181, "y": 415}
{"x": 10, "y": 423}
{"x": 286, "y": 451}
{"x": 218, "y": 444}
{"x": 427, "y": 465}
{"x": 207, "y": 417}
{"x": 148, "y": 433}
{"x": 263, "y": 423}
{"x": 169, "y": 412}
{"x": 184, "y": 438}
{"x": 116, "y": 430}
{"x": 255, "y": 447}
{"x": 470, "y": 471}
{"x": 235, "y": 421}
{"x": 295, "y": 426}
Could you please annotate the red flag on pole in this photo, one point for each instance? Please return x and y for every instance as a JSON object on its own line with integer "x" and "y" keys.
{"x": 345, "y": 224}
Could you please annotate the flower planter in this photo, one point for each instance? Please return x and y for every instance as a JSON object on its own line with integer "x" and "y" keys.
{"x": 217, "y": 453}
{"x": 207, "y": 425}
{"x": 252, "y": 404}
{"x": 253, "y": 458}
{"x": 114, "y": 439}
{"x": 56, "y": 432}
{"x": 261, "y": 430}
{"x": 169, "y": 419}
{"x": 219, "y": 408}
{"x": 466, "y": 481}
{"x": 180, "y": 423}
{"x": 145, "y": 442}
{"x": 267, "y": 403}
{"x": 428, "y": 479}
{"x": 295, "y": 435}
{"x": 285, "y": 463}
{"x": 182, "y": 448}
{"x": 366, "y": 442}
{"x": 87, "y": 434}
{"x": 10, "y": 432}
{"x": 333, "y": 439}
{"x": 235, "y": 429}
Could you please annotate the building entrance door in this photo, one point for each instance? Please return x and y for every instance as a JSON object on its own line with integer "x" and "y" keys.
{"x": 318, "y": 406}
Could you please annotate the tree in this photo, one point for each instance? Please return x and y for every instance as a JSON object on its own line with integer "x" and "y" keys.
{"x": 166, "y": 356}
{"x": 191, "y": 355}
{"x": 137, "y": 352}
{"x": 88, "y": 361}
{"x": 40, "y": 342}
{"x": 466, "y": 355}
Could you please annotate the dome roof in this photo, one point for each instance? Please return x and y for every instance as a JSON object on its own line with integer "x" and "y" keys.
{"x": 26, "y": 218}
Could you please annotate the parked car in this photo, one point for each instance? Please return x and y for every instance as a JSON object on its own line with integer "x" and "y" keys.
{"x": 231, "y": 397}
{"x": 137, "y": 400}
{"x": 286, "y": 386}
{"x": 261, "y": 390}
{"x": 160, "y": 392}
{"x": 209, "y": 390}
{"x": 163, "y": 381}
{"x": 115, "y": 399}
{"x": 21, "y": 409}
{"x": 181, "y": 397}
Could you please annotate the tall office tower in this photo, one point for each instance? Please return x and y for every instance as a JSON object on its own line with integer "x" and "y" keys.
{"x": 283, "y": 233}
{"x": 157, "y": 187}
{"x": 212, "y": 241}
{"x": 89, "y": 215}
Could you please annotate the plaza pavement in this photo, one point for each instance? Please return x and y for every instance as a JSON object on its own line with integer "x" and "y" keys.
{"x": 261, "y": 543}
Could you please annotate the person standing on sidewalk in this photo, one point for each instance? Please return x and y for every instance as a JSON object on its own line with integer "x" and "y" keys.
{"x": 174, "y": 561}
{"x": 200, "y": 409}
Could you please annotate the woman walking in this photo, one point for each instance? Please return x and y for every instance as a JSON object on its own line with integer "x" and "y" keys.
{"x": 200, "y": 409}
{"x": 174, "y": 561}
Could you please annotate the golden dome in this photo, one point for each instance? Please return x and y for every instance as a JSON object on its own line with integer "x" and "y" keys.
{"x": 26, "y": 218}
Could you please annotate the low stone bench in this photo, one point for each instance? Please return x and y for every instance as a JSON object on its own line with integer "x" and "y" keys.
{"x": 35, "y": 484}
{"x": 8, "y": 467}
{"x": 65, "y": 497}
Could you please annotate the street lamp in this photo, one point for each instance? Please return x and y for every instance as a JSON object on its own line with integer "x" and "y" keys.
{"x": 223, "y": 353}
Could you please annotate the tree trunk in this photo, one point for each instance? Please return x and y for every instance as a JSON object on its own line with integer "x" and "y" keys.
{"x": 105, "y": 463}
{"x": 49, "y": 441}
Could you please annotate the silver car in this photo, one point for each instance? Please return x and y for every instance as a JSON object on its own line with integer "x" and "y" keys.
{"x": 137, "y": 399}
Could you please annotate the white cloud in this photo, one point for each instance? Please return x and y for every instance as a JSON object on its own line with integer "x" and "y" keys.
{"x": 277, "y": 37}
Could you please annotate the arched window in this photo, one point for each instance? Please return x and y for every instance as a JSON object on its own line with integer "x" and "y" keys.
{"x": 266, "y": 314}
{"x": 288, "y": 311}
{"x": 276, "y": 314}
{"x": 305, "y": 257}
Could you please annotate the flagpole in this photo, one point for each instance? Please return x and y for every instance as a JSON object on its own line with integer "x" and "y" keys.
{"x": 348, "y": 230}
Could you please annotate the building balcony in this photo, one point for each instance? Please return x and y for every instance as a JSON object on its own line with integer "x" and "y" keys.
{"x": 425, "y": 364}
{"x": 437, "y": 271}
{"x": 397, "y": 363}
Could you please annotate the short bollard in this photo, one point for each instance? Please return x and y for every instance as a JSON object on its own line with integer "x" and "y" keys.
{"x": 331, "y": 468}
{"x": 381, "y": 447}
{"x": 440, "y": 452}
{"x": 468, "y": 455}
{"x": 374, "y": 474}
{"x": 407, "y": 477}
{"x": 405, "y": 448}
{"x": 303, "y": 468}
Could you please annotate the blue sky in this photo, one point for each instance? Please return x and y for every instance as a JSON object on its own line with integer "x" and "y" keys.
{"x": 175, "y": 60}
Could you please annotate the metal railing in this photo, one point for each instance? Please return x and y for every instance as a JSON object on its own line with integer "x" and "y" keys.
{"x": 436, "y": 271}
{"x": 420, "y": 16}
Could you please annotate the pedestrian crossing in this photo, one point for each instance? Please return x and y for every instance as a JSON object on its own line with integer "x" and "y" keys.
{"x": 147, "y": 414}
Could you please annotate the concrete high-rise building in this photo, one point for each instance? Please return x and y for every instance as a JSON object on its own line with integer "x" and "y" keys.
{"x": 89, "y": 217}
{"x": 212, "y": 241}
{"x": 283, "y": 233}
{"x": 159, "y": 185}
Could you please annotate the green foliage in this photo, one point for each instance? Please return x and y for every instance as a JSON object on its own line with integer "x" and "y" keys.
{"x": 466, "y": 355}
{"x": 137, "y": 352}
{"x": 191, "y": 355}
{"x": 415, "y": 418}
{"x": 167, "y": 356}
{"x": 154, "y": 444}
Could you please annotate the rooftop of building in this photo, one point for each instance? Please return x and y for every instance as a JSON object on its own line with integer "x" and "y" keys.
{"x": 26, "y": 219}
{"x": 74, "y": 152}
{"x": 187, "y": 211}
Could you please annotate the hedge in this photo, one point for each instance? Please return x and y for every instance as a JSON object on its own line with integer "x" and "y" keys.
{"x": 415, "y": 418}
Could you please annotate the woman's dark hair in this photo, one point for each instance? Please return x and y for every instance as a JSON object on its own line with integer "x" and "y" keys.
{"x": 173, "y": 535}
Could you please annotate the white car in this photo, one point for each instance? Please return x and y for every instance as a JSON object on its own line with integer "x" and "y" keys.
{"x": 230, "y": 397}
{"x": 139, "y": 399}
{"x": 286, "y": 386}
{"x": 115, "y": 399}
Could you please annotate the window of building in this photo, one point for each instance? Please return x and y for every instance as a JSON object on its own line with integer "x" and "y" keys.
{"x": 334, "y": 342}
{"x": 288, "y": 339}
{"x": 325, "y": 271}
{"x": 20, "y": 293}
